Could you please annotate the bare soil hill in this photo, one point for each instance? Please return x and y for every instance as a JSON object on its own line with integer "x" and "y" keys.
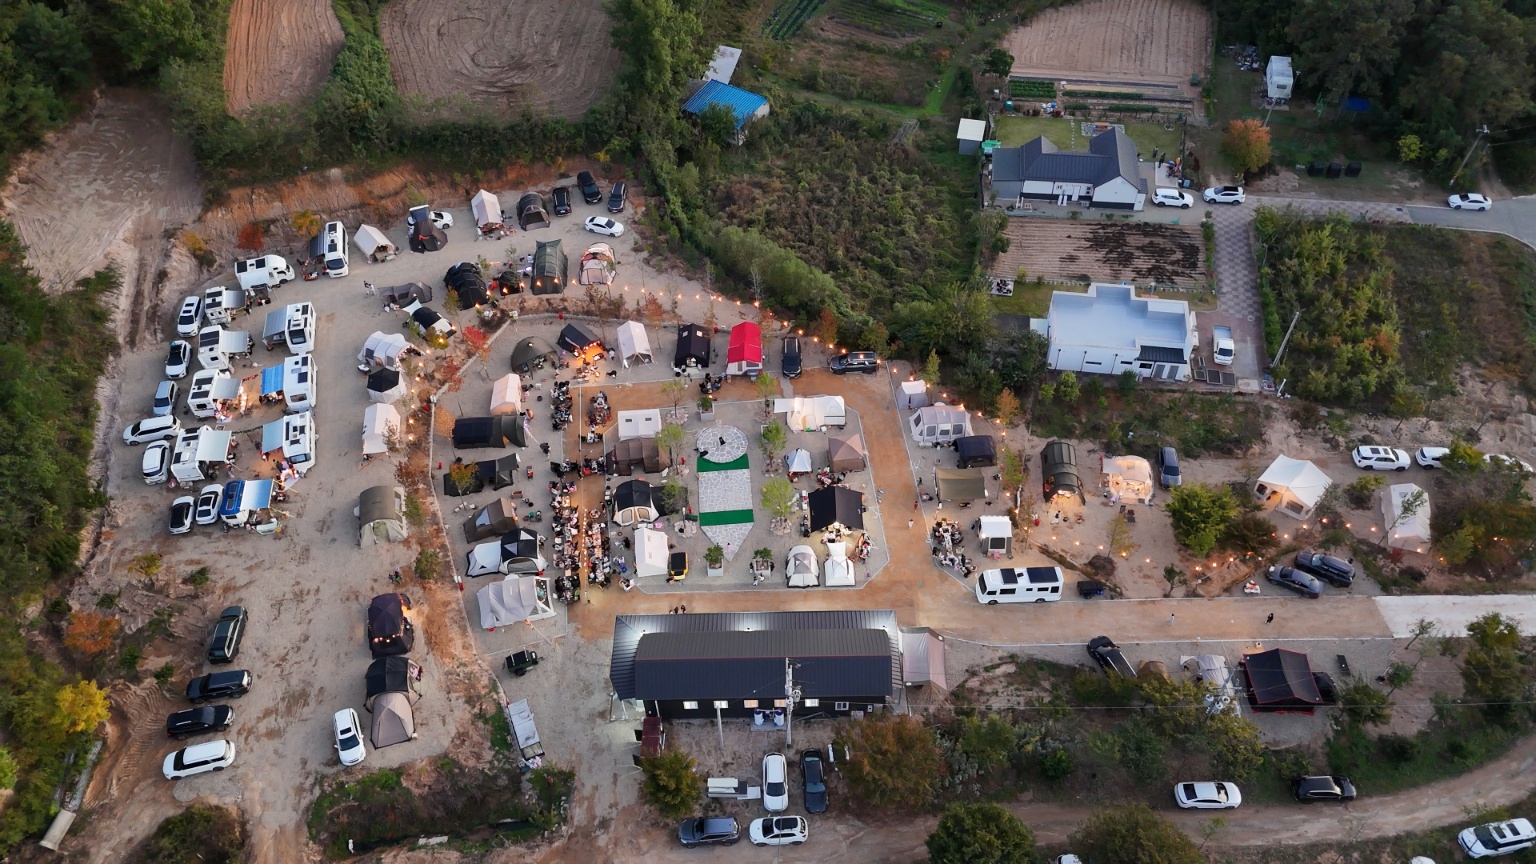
{"x": 278, "y": 53}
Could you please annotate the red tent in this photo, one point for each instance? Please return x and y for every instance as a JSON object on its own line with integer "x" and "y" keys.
{"x": 745, "y": 356}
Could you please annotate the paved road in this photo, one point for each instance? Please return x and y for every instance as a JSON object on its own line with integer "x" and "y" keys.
{"x": 1515, "y": 217}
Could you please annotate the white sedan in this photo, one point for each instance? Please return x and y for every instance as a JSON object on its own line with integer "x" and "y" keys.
{"x": 778, "y": 831}
{"x": 178, "y": 359}
{"x": 349, "y": 737}
{"x": 1207, "y": 796}
{"x": 1469, "y": 201}
{"x": 181, "y": 514}
{"x": 208, "y": 500}
{"x": 439, "y": 219}
{"x": 775, "y": 783}
{"x": 606, "y": 226}
{"x": 1225, "y": 195}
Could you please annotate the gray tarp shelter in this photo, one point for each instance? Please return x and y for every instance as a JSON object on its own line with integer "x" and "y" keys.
{"x": 1280, "y": 681}
{"x": 1058, "y": 463}
{"x": 640, "y": 453}
{"x": 497, "y": 430}
{"x": 532, "y": 212}
{"x": 846, "y": 453}
{"x": 976, "y": 451}
{"x": 381, "y": 515}
{"x": 635, "y": 501}
{"x": 922, "y": 657}
{"x": 550, "y": 268}
{"x": 960, "y": 484}
{"x": 492, "y": 520}
{"x": 836, "y": 505}
{"x": 393, "y": 721}
{"x": 405, "y": 295}
{"x": 528, "y": 349}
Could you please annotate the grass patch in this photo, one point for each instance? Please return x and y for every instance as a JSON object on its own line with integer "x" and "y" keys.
{"x": 1147, "y": 420}
{"x": 200, "y": 834}
{"x": 1014, "y": 131}
{"x": 1456, "y": 741}
{"x": 1031, "y": 298}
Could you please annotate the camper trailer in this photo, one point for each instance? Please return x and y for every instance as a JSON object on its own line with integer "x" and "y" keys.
{"x": 200, "y": 454}
{"x": 221, "y": 304}
{"x": 216, "y": 346}
{"x": 293, "y": 436}
{"x": 266, "y": 270}
{"x": 299, "y": 383}
{"x": 211, "y": 389}
{"x": 299, "y": 327}
{"x": 1019, "y": 585}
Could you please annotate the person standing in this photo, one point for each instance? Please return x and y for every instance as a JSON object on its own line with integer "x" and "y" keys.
{"x": 1270, "y": 619}
{"x": 1170, "y": 619}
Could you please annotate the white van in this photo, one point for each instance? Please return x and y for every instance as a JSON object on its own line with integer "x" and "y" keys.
{"x": 299, "y": 327}
{"x": 335, "y": 250}
{"x": 1019, "y": 585}
{"x": 271, "y": 270}
{"x": 299, "y": 383}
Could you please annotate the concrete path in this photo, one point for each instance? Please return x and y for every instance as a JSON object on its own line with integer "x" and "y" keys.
{"x": 1453, "y": 614}
{"x": 1515, "y": 217}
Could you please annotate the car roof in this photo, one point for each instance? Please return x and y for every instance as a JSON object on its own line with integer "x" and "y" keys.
{"x": 205, "y": 750}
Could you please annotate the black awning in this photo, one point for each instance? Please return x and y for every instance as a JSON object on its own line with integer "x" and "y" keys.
{"x": 1159, "y": 354}
{"x": 836, "y": 505}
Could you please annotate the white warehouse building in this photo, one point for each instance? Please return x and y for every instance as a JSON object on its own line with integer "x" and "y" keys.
{"x": 1109, "y": 330}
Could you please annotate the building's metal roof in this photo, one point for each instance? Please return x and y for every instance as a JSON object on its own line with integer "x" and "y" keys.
{"x": 1110, "y": 154}
{"x": 741, "y": 102}
{"x": 736, "y": 655}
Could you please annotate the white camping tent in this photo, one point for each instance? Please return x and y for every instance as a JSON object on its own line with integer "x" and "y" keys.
{"x": 634, "y": 344}
{"x": 808, "y": 413}
{"x": 373, "y": 244}
{"x": 1406, "y": 530}
{"x": 598, "y": 265}
{"x": 800, "y": 570}
{"x": 838, "y": 569}
{"x": 379, "y": 423}
{"x": 487, "y": 212}
{"x": 798, "y": 461}
{"x": 650, "y": 552}
{"x": 381, "y": 514}
{"x": 639, "y": 424}
{"x": 914, "y": 394}
{"x": 383, "y": 350}
{"x": 1129, "y": 477}
{"x": 1292, "y": 486}
{"x": 514, "y": 599}
{"x": 939, "y": 424}
{"x": 996, "y": 536}
{"x": 507, "y": 395}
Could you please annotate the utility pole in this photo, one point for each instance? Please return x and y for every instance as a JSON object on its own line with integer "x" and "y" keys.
{"x": 1481, "y": 131}
{"x": 790, "y": 695}
{"x": 1287, "y": 340}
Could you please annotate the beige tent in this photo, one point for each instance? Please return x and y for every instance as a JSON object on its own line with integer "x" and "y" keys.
{"x": 1409, "y": 531}
{"x": 393, "y": 721}
{"x": 1129, "y": 477}
{"x": 846, "y": 453}
{"x": 960, "y": 484}
{"x": 507, "y": 395}
{"x": 380, "y": 422}
{"x": 1292, "y": 486}
{"x": 381, "y": 514}
{"x": 650, "y": 552}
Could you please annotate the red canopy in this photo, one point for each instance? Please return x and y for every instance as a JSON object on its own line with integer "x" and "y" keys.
{"x": 746, "y": 344}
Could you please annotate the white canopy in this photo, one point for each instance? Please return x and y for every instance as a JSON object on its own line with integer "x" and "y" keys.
{"x": 1292, "y": 486}
{"x": 507, "y": 395}
{"x": 639, "y": 424}
{"x": 914, "y": 394}
{"x": 487, "y": 210}
{"x": 838, "y": 569}
{"x": 650, "y": 552}
{"x": 511, "y": 600}
{"x": 1405, "y": 532}
{"x": 995, "y": 526}
{"x": 379, "y": 422}
{"x": 806, "y": 413}
{"x": 1129, "y": 477}
{"x": 798, "y": 461}
{"x": 634, "y": 344}
{"x": 800, "y": 571}
{"x": 939, "y": 424}
{"x": 383, "y": 349}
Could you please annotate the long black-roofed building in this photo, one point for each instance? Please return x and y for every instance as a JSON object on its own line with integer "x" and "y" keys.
{"x": 681, "y": 666}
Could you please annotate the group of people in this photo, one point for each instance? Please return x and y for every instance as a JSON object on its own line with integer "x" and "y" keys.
{"x": 565, "y": 524}
{"x": 948, "y": 537}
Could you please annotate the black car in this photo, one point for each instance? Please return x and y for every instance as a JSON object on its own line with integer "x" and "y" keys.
{"x": 1337, "y": 571}
{"x": 855, "y": 361}
{"x": 618, "y": 196}
{"x": 1107, "y": 654}
{"x": 219, "y": 685}
{"x": 562, "y": 200}
{"x": 709, "y": 829}
{"x": 199, "y": 721}
{"x": 1323, "y": 788}
{"x": 791, "y": 365}
{"x": 814, "y": 781}
{"x": 228, "y": 631}
{"x": 590, "y": 192}
{"x": 1304, "y": 584}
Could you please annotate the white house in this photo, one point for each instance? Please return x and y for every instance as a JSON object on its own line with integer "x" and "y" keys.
{"x": 1109, "y": 330}
{"x": 1108, "y": 175}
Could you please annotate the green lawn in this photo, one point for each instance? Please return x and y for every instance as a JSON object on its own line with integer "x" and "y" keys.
{"x": 1014, "y": 131}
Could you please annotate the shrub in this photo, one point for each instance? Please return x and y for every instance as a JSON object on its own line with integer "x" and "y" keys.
{"x": 969, "y": 833}
{"x": 1200, "y": 514}
{"x": 1361, "y": 494}
{"x": 670, "y": 783}
{"x": 1056, "y": 764}
{"x": 895, "y": 760}
{"x": 427, "y": 563}
{"x": 200, "y": 834}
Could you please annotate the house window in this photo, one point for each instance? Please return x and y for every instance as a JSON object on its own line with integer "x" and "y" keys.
{"x": 1092, "y": 363}
{"x": 749, "y": 703}
{"x": 778, "y": 703}
{"x": 811, "y": 703}
{"x": 840, "y": 706}
{"x": 690, "y": 706}
{"x": 721, "y": 703}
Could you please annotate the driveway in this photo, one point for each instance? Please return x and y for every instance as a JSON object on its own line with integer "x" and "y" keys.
{"x": 1515, "y": 217}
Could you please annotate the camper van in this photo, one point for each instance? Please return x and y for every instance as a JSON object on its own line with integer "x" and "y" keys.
{"x": 210, "y": 389}
{"x": 222, "y": 304}
{"x": 299, "y": 327}
{"x": 266, "y": 270}
{"x": 200, "y": 454}
{"x": 336, "y": 256}
{"x": 294, "y": 435}
{"x": 299, "y": 383}
{"x": 216, "y": 346}
{"x": 1019, "y": 585}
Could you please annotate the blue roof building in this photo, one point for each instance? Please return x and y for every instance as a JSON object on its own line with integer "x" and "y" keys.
{"x": 745, "y": 105}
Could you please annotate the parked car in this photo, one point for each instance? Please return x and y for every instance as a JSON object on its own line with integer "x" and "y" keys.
{"x": 708, "y": 829}
{"x": 1372, "y": 458}
{"x": 1336, "y": 571}
{"x": 605, "y": 226}
{"x": 1304, "y": 584}
{"x": 1166, "y": 197}
{"x": 438, "y": 218}
{"x": 814, "y": 781}
{"x": 790, "y": 367}
{"x": 590, "y": 192}
{"x": 561, "y": 200}
{"x": 157, "y": 462}
{"x": 775, "y": 783}
{"x": 777, "y": 831}
{"x": 199, "y": 759}
{"x": 1322, "y": 788}
{"x": 178, "y": 360}
{"x": 618, "y": 196}
{"x": 1168, "y": 468}
{"x": 1497, "y": 838}
{"x": 189, "y": 319}
{"x": 867, "y": 362}
{"x": 349, "y": 737}
{"x": 219, "y": 685}
{"x": 181, "y": 514}
{"x": 1225, "y": 195}
{"x": 208, "y": 504}
{"x": 199, "y": 721}
{"x": 1107, "y": 654}
{"x": 1499, "y": 460}
{"x": 1469, "y": 201}
{"x": 228, "y": 632}
{"x": 1429, "y": 457}
{"x": 151, "y": 429}
{"x": 1207, "y": 796}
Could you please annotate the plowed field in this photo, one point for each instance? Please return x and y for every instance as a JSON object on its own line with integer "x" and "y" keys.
{"x": 1114, "y": 42}
{"x": 278, "y": 53}
{"x": 553, "y": 56}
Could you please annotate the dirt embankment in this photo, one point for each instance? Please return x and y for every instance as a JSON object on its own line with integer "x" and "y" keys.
{"x": 278, "y": 53}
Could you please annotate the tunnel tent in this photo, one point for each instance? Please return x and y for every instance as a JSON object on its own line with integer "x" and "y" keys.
{"x": 547, "y": 274}
{"x": 939, "y": 424}
{"x": 1058, "y": 462}
{"x": 383, "y": 350}
{"x": 381, "y": 515}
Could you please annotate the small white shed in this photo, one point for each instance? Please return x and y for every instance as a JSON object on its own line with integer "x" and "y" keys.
{"x": 507, "y": 395}
{"x": 970, "y": 136}
{"x": 1292, "y": 486}
{"x": 634, "y": 344}
{"x": 644, "y": 423}
{"x": 650, "y": 552}
{"x": 996, "y": 536}
{"x": 914, "y": 394}
{"x": 1278, "y": 78}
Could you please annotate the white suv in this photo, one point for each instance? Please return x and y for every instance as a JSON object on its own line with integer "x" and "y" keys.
{"x": 1371, "y": 458}
{"x": 1225, "y": 195}
{"x": 152, "y": 429}
{"x": 199, "y": 759}
{"x": 1497, "y": 838}
{"x": 1165, "y": 197}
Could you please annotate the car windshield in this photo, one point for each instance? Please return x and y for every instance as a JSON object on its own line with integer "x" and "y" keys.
{"x": 1486, "y": 837}
{"x": 775, "y": 790}
{"x": 347, "y": 740}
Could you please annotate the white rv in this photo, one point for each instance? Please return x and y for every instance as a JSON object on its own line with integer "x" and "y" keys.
{"x": 299, "y": 327}
{"x": 200, "y": 454}
{"x": 1019, "y": 585}
{"x": 336, "y": 256}
{"x": 210, "y": 389}
{"x": 216, "y": 346}
{"x": 271, "y": 270}
{"x": 294, "y": 436}
{"x": 221, "y": 304}
{"x": 299, "y": 383}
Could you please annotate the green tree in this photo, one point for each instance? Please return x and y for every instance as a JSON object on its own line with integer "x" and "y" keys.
{"x": 1200, "y": 514}
{"x": 80, "y": 707}
{"x": 674, "y": 495}
{"x": 1133, "y": 834}
{"x": 200, "y": 834}
{"x": 1175, "y": 708}
{"x": 999, "y": 62}
{"x": 894, "y": 763}
{"x": 1237, "y": 750}
{"x": 1409, "y": 149}
{"x": 1250, "y": 534}
{"x": 1067, "y": 389}
{"x": 150, "y": 33}
{"x": 1495, "y": 670}
{"x": 986, "y": 740}
{"x": 1247, "y": 144}
{"x": 930, "y": 370}
{"x": 980, "y": 834}
{"x": 675, "y": 390}
{"x": 671, "y": 437}
{"x": 663, "y": 47}
{"x": 774, "y": 438}
{"x": 7, "y": 769}
{"x": 767, "y": 388}
{"x": 778, "y": 497}
{"x": 1364, "y": 705}
{"x": 670, "y": 783}
{"x": 1349, "y": 46}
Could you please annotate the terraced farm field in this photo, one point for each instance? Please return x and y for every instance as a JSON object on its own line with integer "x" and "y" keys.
{"x": 278, "y": 53}
{"x": 1150, "y": 46}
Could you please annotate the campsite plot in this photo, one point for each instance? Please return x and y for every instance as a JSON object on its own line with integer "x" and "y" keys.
{"x": 1115, "y": 42}
{"x": 554, "y": 57}
{"x": 277, "y": 53}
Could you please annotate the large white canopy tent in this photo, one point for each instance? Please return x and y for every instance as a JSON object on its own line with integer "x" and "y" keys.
{"x": 809, "y": 413}
{"x": 1129, "y": 477}
{"x": 379, "y": 423}
{"x": 514, "y": 599}
{"x": 1292, "y": 486}
{"x": 650, "y": 552}
{"x": 383, "y": 350}
{"x": 507, "y": 395}
{"x": 634, "y": 344}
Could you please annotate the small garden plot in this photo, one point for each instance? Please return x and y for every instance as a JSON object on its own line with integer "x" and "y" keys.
{"x": 894, "y": 18}
{"x": 1032, "y": 88}
{"x": 862, "y": 70}
{"x": 788, "y": 18}
{"x": 1137, "y": 252}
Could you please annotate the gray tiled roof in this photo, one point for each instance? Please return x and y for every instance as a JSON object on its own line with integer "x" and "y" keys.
{"x": 1111, "y": 154}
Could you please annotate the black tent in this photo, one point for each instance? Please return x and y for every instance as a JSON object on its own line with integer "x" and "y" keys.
{"x": 528, "y": 349}
{"x": 1059, "y": 470}
{"x": 635, "y": 501}
{"x": 452, "y": 489}
{"x": 466, "y": 280}
{"x": 693, "y": 344}
{"x": 388, "y": 675}
{"x": 426, "y": 237}
{"x": 426, "y": 318}
{"x": 575, "y": 338}
{"x": 550, "y": 267}
{"x": 389, "y": 631}
{"x": 405, "y": 295}
{"x": 640, "y": 453}
{"x": 520, "y": 551}
{"x": 492, "y": 520}
{"x": 498, "y": 430}
{"x": 1280, "y": 681}
{"x": 976, "y": 451}
{"x": 498, "y": 473}
{"x": 507, "y": 282}
{"x": 836, "y": 505}
{"x": 384, "y": 380}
